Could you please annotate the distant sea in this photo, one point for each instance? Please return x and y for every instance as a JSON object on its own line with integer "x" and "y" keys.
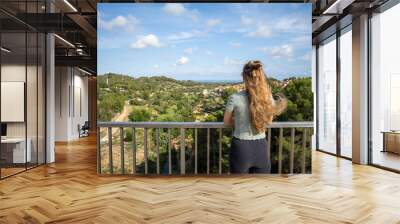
{"x": 218, "y": 81}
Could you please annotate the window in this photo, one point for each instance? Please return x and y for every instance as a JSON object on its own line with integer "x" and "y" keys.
{"x": 327, "y": 95}
{"x": 385, "y": 88}
{"x": 346, "y": 92}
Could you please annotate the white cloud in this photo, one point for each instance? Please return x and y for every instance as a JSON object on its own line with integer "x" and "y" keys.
{"x": 235, "y": 44}
{"x": 180, "y": 36}
{"x": 188, "y": 50}
{"x": 213, "y": 22}
{"x": 287, "y": 23}
{"x": 291, "y": 24}
{"x": 280, "y": 51}
{"x": 245, "y": 21}
{"x": 229, "y": 61}
{"x": 156, "y": 66}
{"x": 261, "y": 31}
{"x": 182, "y": 61}
{"x": 128, "y": 23}
{"x": 186, "y": 35}
{"x": 174, "y": 8}
{"x": 150, "y": 40}
{"x": 179, "y": 9}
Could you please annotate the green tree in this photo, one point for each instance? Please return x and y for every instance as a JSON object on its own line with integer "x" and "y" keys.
{"x": 140, "y": 114}
{"x": 300, "y": 100}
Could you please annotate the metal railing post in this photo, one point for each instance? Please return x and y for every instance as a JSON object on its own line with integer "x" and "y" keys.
{"x": 146, "y": 167}
{"x": 195, "y": 151}
{"x": 183, "y": 160}
{"x": 133, "y": 150}
{"x": 121, "y": 136}
{"x": 208, "y": 151}
{"x": 158, "y": 150}
{"x": 220, "y": 152}
{"x": 303, "y": 151}
{"x": 110, "y": 154}
{"x": 292, "y": 151}
{"x": 280, "y": 150}
{"x": 169, "y": 152}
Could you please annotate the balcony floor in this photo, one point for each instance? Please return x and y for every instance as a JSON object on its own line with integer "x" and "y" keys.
{"x": 70, "y": 191}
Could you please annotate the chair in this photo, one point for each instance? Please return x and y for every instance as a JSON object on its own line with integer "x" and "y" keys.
{"x": 84, "y": 130}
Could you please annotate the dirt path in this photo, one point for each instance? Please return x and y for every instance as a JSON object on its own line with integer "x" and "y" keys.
{"x": 123, "y": 116}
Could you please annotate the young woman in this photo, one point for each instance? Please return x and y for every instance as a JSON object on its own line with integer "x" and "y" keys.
{"x": 249, "y": 112}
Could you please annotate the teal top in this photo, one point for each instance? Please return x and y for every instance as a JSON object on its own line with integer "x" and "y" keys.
{"x": 238, "y": 103}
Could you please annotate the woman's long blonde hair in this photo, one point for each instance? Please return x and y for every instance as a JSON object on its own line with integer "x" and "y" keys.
{"x": 263, "y": 107}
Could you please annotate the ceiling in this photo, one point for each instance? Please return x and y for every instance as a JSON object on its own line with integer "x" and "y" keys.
{"x": 74, "y": 22}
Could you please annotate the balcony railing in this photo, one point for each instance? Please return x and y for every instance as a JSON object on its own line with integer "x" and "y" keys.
{"x": 110, "y": 132}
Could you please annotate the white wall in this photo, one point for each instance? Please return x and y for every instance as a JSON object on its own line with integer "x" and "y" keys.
{"x": 81, "y": 114}
{"x": 62, "y": 81}
{"x": 14, "y": 73}
{"x": 33, "y": 126}
{"x": 70, "y": 84}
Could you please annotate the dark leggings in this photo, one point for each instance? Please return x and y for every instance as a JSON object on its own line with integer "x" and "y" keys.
{"x": 249, "y": 156}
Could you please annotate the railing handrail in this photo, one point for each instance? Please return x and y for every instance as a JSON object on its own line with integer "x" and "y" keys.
{"x": 289, "y": 124}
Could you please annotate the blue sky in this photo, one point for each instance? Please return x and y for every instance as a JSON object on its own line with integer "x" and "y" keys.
{"x": 203, "y": 41}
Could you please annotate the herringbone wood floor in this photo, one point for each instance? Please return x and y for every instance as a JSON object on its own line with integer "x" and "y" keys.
{"x": 70, "y": 191}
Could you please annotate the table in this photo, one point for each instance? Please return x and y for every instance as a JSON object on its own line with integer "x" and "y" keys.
{"x": 13, "y": 150}
{"x": 391, "y": 141}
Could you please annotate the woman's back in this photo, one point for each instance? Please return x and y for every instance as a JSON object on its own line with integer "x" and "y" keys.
{"x": 238, "y": 103}
{"x": 249, "y": 112}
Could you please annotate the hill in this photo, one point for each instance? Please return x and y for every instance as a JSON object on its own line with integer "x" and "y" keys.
{"x": 160, "y": 98}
